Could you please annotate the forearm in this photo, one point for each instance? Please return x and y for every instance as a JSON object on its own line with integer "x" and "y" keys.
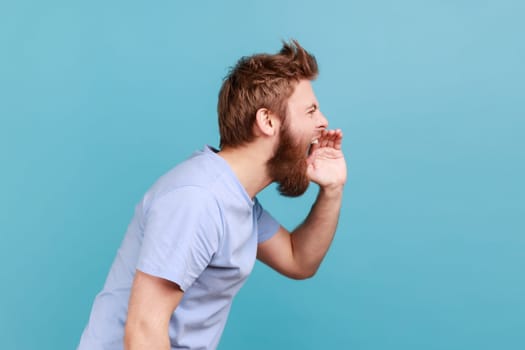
{"x": 311, "y": 240}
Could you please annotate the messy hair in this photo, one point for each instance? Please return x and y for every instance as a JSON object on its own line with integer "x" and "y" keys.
{"x": 260, "y": 81}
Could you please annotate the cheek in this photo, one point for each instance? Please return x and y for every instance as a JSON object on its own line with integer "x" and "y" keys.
{"x": 302, "y": 133}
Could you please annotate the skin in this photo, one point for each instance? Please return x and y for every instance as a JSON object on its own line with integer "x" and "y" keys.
{"x": 297, "y": 254}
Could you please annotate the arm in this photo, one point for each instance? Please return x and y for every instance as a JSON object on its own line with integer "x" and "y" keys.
{"x": 151, "y": 305}
{"x": 298, "y": 255}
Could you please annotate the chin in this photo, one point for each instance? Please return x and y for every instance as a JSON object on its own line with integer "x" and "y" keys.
{"x": 293, "y": 188}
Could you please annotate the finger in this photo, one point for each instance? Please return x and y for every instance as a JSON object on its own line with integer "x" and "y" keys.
{"x": 329, "y": 142}
{"x": 335, "y": 138}
{"x": 339, "y": 139}
{"x": 331, "y": 139}
{"x": 323, "y": 141}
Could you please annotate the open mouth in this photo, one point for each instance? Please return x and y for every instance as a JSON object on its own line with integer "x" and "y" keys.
{"x": 309, "y": 149}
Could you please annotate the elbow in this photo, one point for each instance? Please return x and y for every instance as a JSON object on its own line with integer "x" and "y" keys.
{"x": 302, "y": 274}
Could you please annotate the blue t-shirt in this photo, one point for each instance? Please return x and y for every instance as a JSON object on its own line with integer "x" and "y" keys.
{"x": 197, "y": 227}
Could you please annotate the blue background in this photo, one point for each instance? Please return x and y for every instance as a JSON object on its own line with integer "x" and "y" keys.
{"x": 98, "y": 99}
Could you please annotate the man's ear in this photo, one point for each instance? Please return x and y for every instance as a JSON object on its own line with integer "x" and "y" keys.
{"x": 266, "y": 123}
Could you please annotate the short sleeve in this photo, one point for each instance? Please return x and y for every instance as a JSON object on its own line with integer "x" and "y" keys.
{"x": 267, "y": 226}
{"x": 181, "y": 235}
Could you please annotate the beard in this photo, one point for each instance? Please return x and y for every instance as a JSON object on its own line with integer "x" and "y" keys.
{"x": 288, "y": 165}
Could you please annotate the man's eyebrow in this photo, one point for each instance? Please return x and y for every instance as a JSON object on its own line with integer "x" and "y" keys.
{"x": 313, "y": 105}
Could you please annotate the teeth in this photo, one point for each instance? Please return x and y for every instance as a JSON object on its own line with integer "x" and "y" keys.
{"x": 316, "y": 141}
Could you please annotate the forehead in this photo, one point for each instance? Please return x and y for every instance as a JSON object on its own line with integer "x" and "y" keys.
{"x": 303, "y": 95}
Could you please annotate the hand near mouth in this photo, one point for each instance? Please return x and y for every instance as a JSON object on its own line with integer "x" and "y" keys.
{"x": 326, "y": 162}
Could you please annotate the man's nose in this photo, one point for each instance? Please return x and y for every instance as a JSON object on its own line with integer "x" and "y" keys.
{"x": 322, "y": 122}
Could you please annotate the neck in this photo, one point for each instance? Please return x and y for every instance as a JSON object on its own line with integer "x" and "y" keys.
{"x": 248, "y": 163}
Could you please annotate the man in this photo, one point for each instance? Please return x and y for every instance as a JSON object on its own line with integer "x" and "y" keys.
{"x": 196, "y": 233}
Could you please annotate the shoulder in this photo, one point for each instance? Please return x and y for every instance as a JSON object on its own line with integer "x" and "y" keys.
{"x": 199, "y": 173}
{"x": 183, "y": 198}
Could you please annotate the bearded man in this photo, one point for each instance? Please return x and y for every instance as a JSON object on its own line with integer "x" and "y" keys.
{"x": 196, "y": 233}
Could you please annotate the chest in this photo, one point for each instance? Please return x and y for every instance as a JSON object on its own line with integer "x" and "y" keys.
{"x": 238, "y": 247}
{"x": 234, "y": 260}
